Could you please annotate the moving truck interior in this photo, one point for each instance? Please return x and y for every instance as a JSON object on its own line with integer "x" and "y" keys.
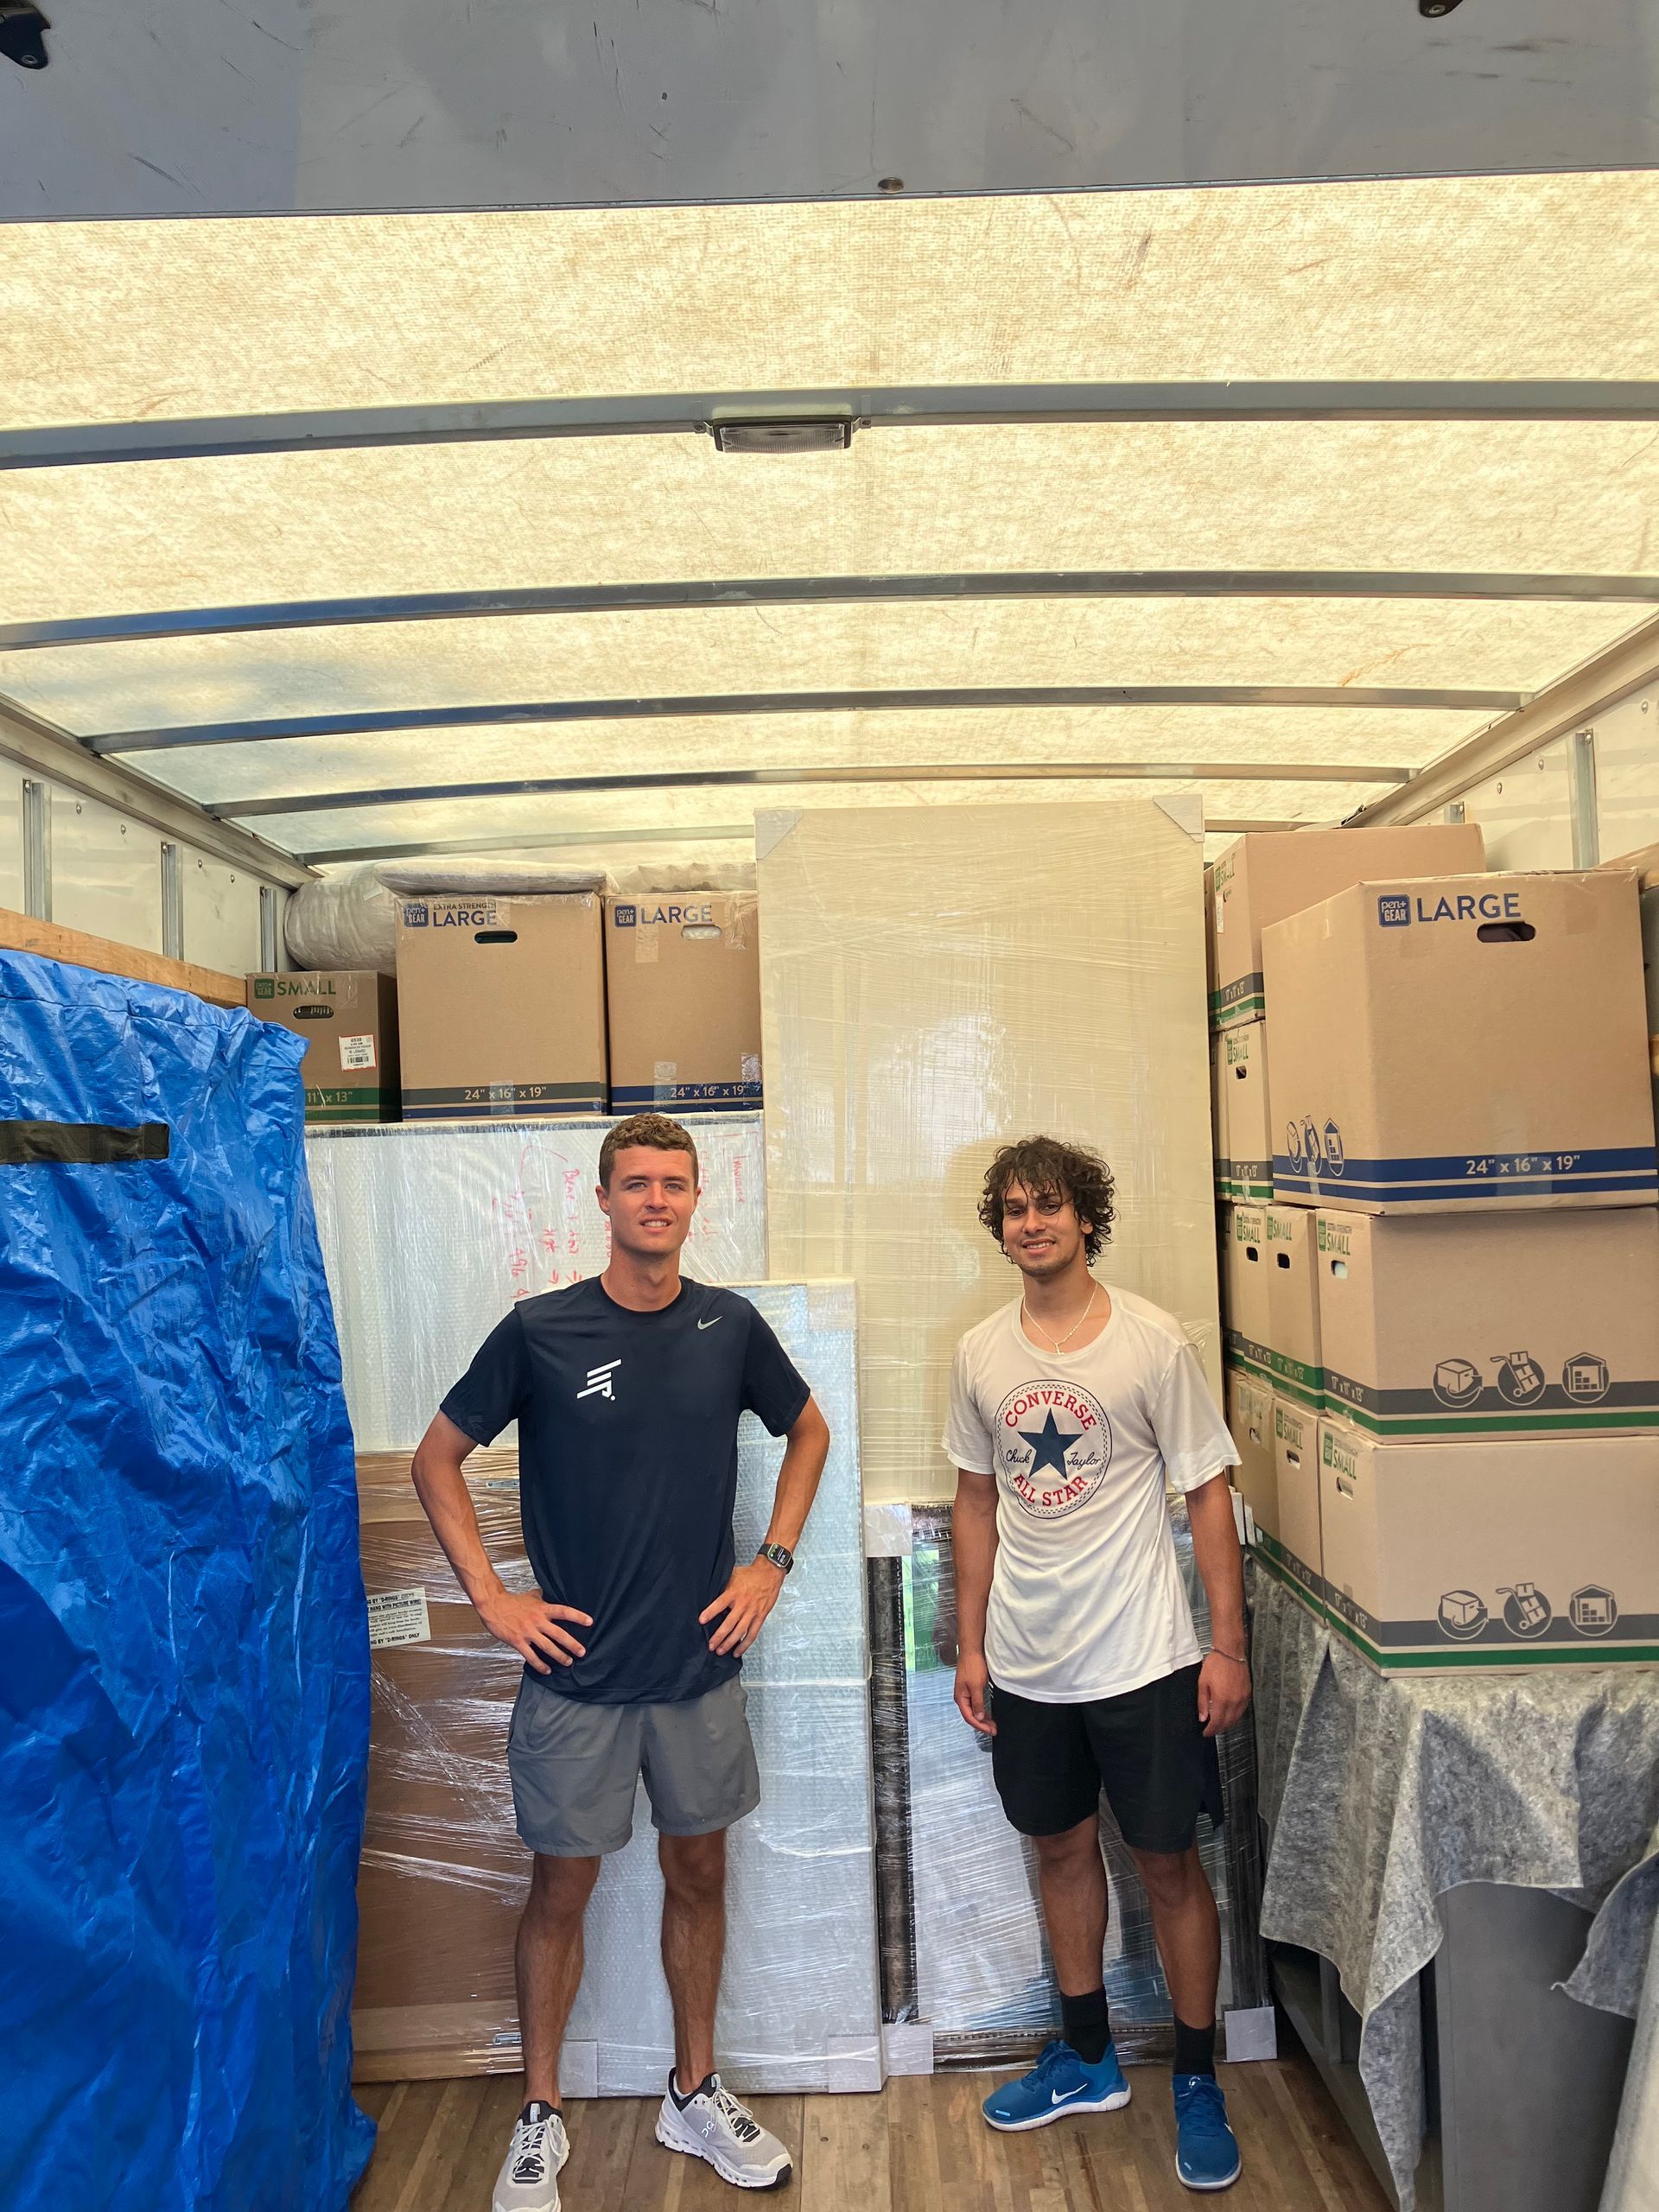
{"x": 972, "y": 692}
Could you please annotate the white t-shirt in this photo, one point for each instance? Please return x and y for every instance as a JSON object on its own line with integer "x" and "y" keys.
{"x": 1087, "y": 1599}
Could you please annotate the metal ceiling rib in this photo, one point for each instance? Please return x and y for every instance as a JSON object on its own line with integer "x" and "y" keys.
{"x": 490, "y": 715}
{"x": 909, "y": 407}
{"x": 795, "y": 591}
{"x": 704, "y": 778}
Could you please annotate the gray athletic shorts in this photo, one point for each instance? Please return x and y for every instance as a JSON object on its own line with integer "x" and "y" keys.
{"x": 576, "y": 1767}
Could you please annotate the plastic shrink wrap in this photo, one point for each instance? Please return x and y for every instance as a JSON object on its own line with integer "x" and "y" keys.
{"x": 183, "y": 1658}
{"x": 443, "y": 1875}
{"x": 430, "y": 1233}
{"x": 936, "y": 980}
{"x": 348, "y": 917}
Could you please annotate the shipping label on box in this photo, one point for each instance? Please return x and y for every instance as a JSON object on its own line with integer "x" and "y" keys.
{"x": 1242, "y": 1078}
{"x": 1269, "y": 875}
{"x": 348, "y": 1018}
{"x": 1293, "y": 1305}
{"x": 1475, "y": 1043}
{"x": 1510, "y": 1324}
{"x": 1491, "y": 1554}
{"x": 501, "y": 1004}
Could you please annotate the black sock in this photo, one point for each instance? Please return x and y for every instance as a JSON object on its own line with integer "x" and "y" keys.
{"x": 704, "y": 2087}
{"x": 1084, "y": 2024}
{"x": 1195, "y": 2048}
{"x": 535, "y": 2110}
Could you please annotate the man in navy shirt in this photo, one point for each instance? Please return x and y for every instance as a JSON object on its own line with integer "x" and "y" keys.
{"x": 627, "y": 1390}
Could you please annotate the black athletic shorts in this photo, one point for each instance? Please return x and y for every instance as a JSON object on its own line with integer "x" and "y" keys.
{"x": 1147, "y": 1750}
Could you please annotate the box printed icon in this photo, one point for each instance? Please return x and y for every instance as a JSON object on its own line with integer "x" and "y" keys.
{"x": 1592, "y": 1611}
{"x": 1462, "y": 1613}
{"x": 1457, "y": 1382}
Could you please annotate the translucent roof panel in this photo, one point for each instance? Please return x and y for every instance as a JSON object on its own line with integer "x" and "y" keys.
{"x": 679, "y": 745}
{"x": 695, "y": 814}
{"x": 1470, "y": 276}
{"x": 1491, "y": 498}
{"x": 725, "y": 650}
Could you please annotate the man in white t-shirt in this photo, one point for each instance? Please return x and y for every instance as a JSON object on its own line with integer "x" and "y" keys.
{"x": 1071, "y": 1409}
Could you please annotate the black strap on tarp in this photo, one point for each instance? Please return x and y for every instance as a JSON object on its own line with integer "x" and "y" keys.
{"x": 80, "y": 1144}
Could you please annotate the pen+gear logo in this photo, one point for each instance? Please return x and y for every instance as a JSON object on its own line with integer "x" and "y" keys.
{"x": 1053, "y": 1447}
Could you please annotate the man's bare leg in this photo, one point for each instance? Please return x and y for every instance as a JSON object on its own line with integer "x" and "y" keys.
{"x": 1071, "y": 1875}
{"x": 547, "y": 1960}
{"x": 1188, "y": 1929}
{"x": 694, "y": 1946}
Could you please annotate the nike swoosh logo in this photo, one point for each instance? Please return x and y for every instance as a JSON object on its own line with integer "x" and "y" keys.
{"x": 714, "y": 1324}
{"x": 1058, "y": 2097}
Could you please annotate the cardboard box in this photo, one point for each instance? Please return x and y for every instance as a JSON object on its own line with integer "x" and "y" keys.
{"x": 1218, "y": 1123}
{"x": 1272, "y": 874}
{"x": 1241, "y": 1078}
{"x": 1491, "y": 1554}
{"x": 1245, "y": 1325}
{"x": 1470, "y": 1042}
{"x": 682, "y": 996}
{"x": 1249, "y": 1422}
{"x": 501, "y": 1006}
{"x": 1507, "y": 1324}
{"x": 1293, "y": 1305}
{"x": 1295, "y": 1548}
{"x": 348, "y": 1018}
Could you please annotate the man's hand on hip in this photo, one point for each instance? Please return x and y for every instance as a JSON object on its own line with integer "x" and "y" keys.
{"x": 973, "y": 1680}
{"x": 1224, "y": 1692}
{"x": 746, "y": 1601}
{"x": 533, "y": 1628}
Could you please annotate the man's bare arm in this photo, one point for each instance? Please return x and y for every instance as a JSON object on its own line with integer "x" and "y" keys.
{"x": 1224, "y": 1678}
{"x": 524, "y": 1619}
{"x": 973, "y": 1548}
{"x": 755, "y": 1586}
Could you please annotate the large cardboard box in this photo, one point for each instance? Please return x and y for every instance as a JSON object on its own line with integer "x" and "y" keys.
{"x": 1294, "y": 1547}
{"x": 348, "y": 1018}
{"x": 1249, "y": 1420}
{"x": 501, "y": 1006}
{"x": 1491, "y": 1554}
{"x": 1271, "y": 873}
{"x": 1242, "y": 1079}
{"x": 1293, "y": 1305}
{"x": 1473, "y": 1042}
{"x": 1507, "y": 1324}
{"x": 1246, "y": 1329}
{"x": 682, "y": 996}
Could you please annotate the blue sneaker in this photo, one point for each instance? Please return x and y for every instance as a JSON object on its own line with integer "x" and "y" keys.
{"x": 1206, "y": 2150}
{"x": 1058, "y": 2083}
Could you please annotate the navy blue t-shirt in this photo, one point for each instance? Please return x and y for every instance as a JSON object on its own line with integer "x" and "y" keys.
{"x": 627, "y": 1469}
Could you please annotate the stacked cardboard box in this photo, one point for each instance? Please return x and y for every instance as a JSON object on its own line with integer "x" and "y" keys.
{"x": 1268, "y": 1275}
{"x": 348, "y": 1018}
{"x": 1462, "y": 1121}
{"x": 683, "y": 1000}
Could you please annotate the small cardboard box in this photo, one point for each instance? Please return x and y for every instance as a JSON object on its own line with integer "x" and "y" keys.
{"x": 1469, "y": 1042}
{"x": 348, "y": 1018}
{"x": 1294, "y": 1547}
{"x": 1244, "y": 1291}
{"x": 1491, "y": 1554}
{"x": 1218, "y": 1123}
{"x": 1508, "y": 1324}
{"x": 1271, "y": 873}
{"x": 1249, "y": 1420}
{"x": 501, "y": 1006}
{"x": 682, "y": 995}
{"x": 1293, "y": 1305}
{"x": 1242, "y": 1078}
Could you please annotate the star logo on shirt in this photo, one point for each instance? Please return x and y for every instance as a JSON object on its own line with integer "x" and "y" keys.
{"x": 1049, "y": 1446}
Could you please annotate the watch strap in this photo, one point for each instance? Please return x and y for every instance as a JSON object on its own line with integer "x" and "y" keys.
{"x": 778, "y": 1556}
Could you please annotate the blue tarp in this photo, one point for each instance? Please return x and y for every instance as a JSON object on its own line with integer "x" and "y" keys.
{"x": 184, "y": 1675}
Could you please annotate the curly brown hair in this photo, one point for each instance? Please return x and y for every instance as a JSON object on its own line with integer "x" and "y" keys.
{"x": 657, "y": 1133}
{"x": 1046, "y": 1168}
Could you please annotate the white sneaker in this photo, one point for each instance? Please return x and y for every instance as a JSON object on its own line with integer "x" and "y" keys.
{"x": 529, "y": 2179}
{"x": 715, "y": 2126}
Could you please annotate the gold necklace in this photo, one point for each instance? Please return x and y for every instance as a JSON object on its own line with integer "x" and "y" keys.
{"x": 1060, "y": 1343}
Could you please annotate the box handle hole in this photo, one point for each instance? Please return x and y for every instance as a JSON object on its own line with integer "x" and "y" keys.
{"x": 1283, "y": 1258}
{"x": 700, "y": 930}
{"x": 495, "y": 936}
{"x": 1339, "y": 1267}
{"x": 1251, "y": 1254}
{"x": 1347, "y": 1486}
{"x": 1506, "y": 932}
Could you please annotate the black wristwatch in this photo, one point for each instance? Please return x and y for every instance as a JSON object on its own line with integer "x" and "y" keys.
{"x": 777, "y": 1555}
